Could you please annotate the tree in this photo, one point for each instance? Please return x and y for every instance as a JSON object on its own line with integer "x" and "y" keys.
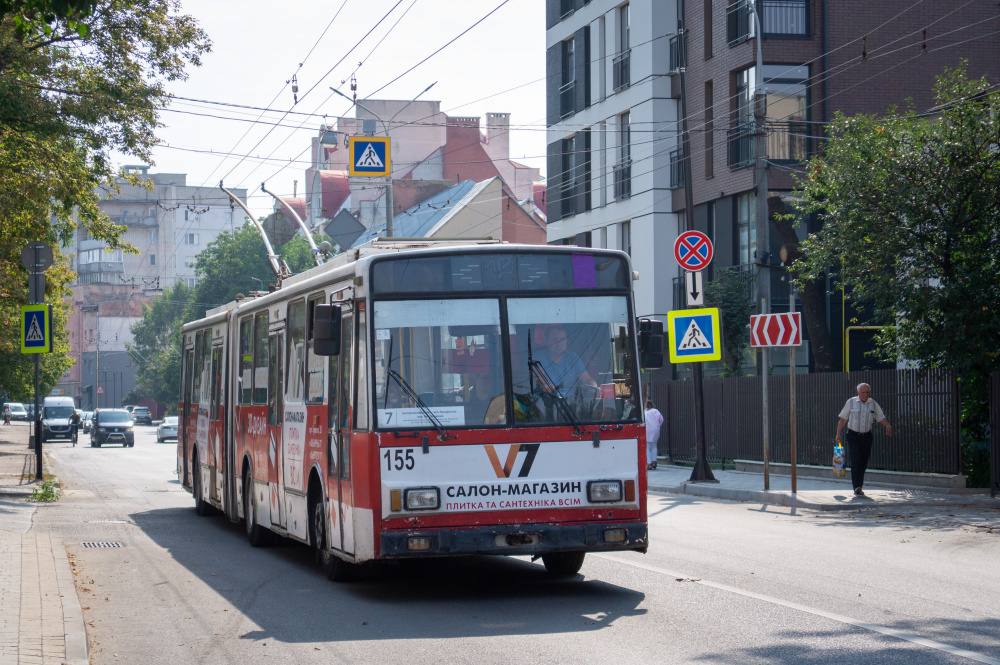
{"x": 910, "y": 206}
{"x": 731, "y": 295}
{"x": 79, "y": 81}
{"x": 229, "y": 265}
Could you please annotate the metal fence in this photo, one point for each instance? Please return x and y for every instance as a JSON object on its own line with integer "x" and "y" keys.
{"x": 995, "y": 434}
{"x": 923, "y": 407}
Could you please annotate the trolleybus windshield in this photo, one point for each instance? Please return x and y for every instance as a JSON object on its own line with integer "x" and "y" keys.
{"x": 564, "y": 356}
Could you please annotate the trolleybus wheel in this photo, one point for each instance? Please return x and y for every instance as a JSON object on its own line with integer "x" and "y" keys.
{"x": 255, "y": 532}
{"x": 563, "y": 563}
{"x": 317, "y": 532}
{"x": 201, "y": 506}
{"x": 338, "y": 570}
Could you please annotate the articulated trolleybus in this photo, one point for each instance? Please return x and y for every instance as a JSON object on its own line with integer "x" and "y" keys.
{"x": 410, "y": 399}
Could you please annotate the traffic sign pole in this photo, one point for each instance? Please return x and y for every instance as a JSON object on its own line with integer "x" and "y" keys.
{"x": 36, "y": 257}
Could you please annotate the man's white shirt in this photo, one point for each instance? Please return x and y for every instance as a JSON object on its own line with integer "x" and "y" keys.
{"x": 861, "y": 416}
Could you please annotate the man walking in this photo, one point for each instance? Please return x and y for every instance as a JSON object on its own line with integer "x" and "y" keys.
{"x": 859, "y": 414}
{"x": 654, "y": 421}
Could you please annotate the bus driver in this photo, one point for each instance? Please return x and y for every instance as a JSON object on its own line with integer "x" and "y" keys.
{"x": 563, "y": 367}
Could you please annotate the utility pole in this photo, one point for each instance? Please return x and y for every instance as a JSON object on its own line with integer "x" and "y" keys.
{"x": 385, "y": 128}
{"x": 702, "y": 471}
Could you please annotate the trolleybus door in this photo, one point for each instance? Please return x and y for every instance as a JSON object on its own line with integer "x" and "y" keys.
{"x": 341, "y": 405}
{"x": 275, "y": 417}
{"x": 217, "y": 435}
{"x": 183, "y": 432}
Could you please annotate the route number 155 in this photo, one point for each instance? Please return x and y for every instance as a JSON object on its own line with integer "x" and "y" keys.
{"x": 398, "y": 459}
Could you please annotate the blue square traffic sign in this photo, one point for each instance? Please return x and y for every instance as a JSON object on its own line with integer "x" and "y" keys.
{"x": 694, "y": 335}
{"x": 369, "y": 155}
{"x": 36, "y": 329}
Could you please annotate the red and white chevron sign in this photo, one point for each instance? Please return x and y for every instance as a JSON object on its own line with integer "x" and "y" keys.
{"x": 776, "y": 330}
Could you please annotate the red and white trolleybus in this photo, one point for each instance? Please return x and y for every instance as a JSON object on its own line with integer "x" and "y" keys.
{"x": 411, "y": 399}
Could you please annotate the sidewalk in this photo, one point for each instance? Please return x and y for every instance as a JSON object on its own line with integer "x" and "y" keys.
{"x": 813, "y": 493}
{"x": 41, "y": 620}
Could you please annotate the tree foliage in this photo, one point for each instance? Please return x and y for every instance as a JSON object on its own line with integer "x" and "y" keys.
{"x": 79, "y": 81}
{"x": 731, "y": 295}
{"x": 910, "y": 205}
{"x": 229, "y": 265}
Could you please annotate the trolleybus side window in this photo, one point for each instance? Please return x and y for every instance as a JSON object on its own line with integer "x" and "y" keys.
{"x": 361, "y": 373}
{"x": 199, "y": 362}
{"x": 314, "y": 363}
{"x": 275, "y": 408}
{"x": 260, "y": 358}
{"x": 206, "y": 378}
{"x": 246, "y": 361}
{"x": 333, "y": 411}
{"x": 345, "y": 390}
{"x": 296, "y": 367}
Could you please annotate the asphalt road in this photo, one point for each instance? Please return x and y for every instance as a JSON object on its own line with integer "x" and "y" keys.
{"x": 723, "y": 582}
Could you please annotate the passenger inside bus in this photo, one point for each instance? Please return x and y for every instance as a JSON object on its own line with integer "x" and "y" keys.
{"x": 484, "y": 404}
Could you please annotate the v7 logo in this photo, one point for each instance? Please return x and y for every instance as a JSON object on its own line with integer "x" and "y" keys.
{"x": 505, "y": 470}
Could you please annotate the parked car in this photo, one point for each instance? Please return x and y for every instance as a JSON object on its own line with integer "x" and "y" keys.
{"x": 56, "y": 412}
{"x": 141, "y": 416}
{"x": 17, "y": 411}
{"x": 112, "y": 426}
{"x": 85, "y": 419}
{"x": 167, "y": 429}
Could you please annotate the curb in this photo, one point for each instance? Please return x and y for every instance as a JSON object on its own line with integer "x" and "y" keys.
{"x": 790, "y": 501}
{"x": 75, "y": 637}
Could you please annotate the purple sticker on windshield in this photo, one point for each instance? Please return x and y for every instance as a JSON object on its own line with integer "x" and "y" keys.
{"x": 584, "y": 272}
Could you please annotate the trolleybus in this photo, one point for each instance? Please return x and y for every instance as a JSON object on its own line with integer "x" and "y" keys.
{"x": 413, "y": 399}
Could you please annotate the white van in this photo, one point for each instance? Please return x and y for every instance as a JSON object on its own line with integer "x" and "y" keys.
{"x": 55, "y": 418}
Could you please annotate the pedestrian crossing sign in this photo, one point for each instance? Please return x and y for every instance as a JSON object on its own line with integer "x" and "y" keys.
{"x": 369, "y": 155}
{"x": 694, "y": 335}
{"x": 36, "y": 329}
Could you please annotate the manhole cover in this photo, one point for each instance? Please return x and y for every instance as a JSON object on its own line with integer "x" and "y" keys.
{"x": 103, "y": 543}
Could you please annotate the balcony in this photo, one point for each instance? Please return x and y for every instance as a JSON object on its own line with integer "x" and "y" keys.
{"x": 740, "y": 144}
{"x": 788, "y": 141}
{"x": 676, "y": 169}
{"x": 622, "y": 74}
{"x": 675, "y": 55}
{"x": 567, "y": 98}
{"x": 623, "y": 180}
{"x": 785, "y": 17}
{"x": 566, "y": 7}
{"x": 739, "y": 22}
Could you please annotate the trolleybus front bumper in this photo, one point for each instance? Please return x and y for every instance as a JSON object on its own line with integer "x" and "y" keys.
{"x": 516, "y": 540}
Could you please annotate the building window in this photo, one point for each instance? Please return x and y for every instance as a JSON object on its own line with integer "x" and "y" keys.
{"x": 746, "y": 225}
{"x": 190, "y": 282}
{"x": 623, "y": 170}
{"x": 567, "y": 92}
{"x": 740, "y": 137}
{"x": 709, "y": 130}
{"x": 785, "y": 17}
{"x": 787, "y": 112}
{"x": 621, "y": 64}
{"x": 152, "y": 259}
{"x": 190, "y": 238}
{"x": 574, "y": 193}
{"x": 676, "y": 168}
{"x": 152, "y": 237}
{"x": 708, "y": 29}
{"x": 627, "y": 237}
{"x": 739, "y": 22}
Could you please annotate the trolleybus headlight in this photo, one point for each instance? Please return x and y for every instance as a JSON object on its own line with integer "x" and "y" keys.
{"x": 422, "y": 498}
{"x": 604, "y": 491}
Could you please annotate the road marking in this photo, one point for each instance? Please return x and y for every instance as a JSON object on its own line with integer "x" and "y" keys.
{"x": 885, "y": 630}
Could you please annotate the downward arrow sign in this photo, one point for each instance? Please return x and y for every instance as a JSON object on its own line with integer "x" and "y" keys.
{"x": 695, "y": 293}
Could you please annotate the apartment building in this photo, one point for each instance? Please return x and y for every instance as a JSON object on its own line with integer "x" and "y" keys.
{"x": 169, "y": 224}
{"x": 612, "y": 128}
{"x": 817, "y": 58}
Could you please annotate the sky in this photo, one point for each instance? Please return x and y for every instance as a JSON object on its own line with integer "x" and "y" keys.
{"x": 498, "y": 66}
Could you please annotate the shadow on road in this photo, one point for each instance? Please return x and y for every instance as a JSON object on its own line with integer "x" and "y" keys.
{"x": 282, "y": 590}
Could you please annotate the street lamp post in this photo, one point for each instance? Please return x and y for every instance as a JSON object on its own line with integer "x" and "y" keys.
{"x": 385, "y": 129}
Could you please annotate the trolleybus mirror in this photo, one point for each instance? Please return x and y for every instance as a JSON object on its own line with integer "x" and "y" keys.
{"x": 326, "y": 330}
{"x": 650, "y": 343}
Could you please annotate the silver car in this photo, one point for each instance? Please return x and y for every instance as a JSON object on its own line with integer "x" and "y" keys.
{"x": 167, "y": 429}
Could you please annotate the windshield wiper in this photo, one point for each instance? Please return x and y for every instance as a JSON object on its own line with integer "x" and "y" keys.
{"x": 443, "y": 433}
{"x": 548, "y": 386}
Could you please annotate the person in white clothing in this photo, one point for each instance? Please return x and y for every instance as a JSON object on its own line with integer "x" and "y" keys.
{"x": 654, "y": 420}
{"x": 860, "y": 414}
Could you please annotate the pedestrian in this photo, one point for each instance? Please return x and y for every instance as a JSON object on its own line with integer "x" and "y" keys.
{"x": 6, "y": 414}
{"x": 860, "y": 414}
{"x": 654, "y": 420}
